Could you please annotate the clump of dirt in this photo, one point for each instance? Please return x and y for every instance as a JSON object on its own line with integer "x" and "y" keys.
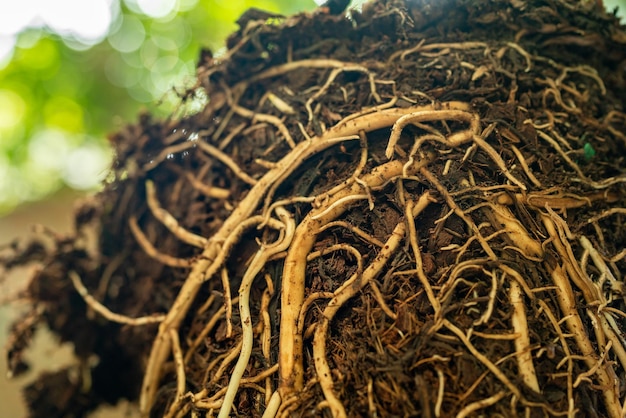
{"x": 417, "y": 211}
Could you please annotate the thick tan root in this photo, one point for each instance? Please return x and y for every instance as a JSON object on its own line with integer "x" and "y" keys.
{"x": 218, "y": 246}
{"x": 495, "y": 235}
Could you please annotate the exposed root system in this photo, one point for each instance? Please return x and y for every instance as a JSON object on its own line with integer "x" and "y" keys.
{"x": 417, "y": 212}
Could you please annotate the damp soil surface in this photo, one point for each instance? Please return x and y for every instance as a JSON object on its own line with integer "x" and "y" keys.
{"x": 419, "y": 210}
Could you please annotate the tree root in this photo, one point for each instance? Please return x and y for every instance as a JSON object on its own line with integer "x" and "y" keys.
{"x": 292, "y": 288}
{"x": 394, "y": 246}
{"x": 295, "y": 243}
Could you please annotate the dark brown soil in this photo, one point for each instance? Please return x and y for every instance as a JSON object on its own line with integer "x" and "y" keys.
{"x": 516, "y": 147}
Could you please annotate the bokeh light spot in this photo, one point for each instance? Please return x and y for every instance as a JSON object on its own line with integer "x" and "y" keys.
{"x": 139, "y": 93}
{"x": 48, "y": 149}
{"x": 37, "y": 181}
{"x": 157, "y": 8}
{"x": 11, "y": 182}
{"x": 129, "y": 36}
{"x": 164, "y": 42}
{"x": 184, "y": 5}
{"x": 165, "y": 64}
{"x": 171, "y": 35}
{"x": 63, "y": 113}
{"x": 93, "y": 24}
{"x": 119, "y": 74}
{"x": 41, "y": 56}
{"x": 86, "y": 166}
{"x": 149, "y": 53}
{"x": 12, "y": 109}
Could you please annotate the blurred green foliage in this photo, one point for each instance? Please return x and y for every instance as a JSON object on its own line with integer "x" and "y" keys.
{"x": 60, "y": 94}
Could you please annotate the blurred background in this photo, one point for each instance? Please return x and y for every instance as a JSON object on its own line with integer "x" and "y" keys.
{"x": 72, "y": 71}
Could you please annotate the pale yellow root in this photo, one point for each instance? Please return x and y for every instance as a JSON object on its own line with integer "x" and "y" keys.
{"x": 258, "y": 262}
{"x": 483, "y": 403}
{"x": 607, "y": 379}
{"x": 522, "y": 342}
{"x": 292, "y": 291}
{"x": 516, "y": 231}
{"x": 319, "y": 340}
{"x": 104, "y": 311}
{"x": 216, "y": 250}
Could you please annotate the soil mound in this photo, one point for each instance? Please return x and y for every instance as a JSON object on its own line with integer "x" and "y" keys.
{"x": 417, "y": 211}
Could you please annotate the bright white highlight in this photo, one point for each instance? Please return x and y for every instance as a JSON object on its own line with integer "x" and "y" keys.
{"x": 7, "y": 43}
{"x": 157, "y": 8}
{"x": 86, "y": 166}
{"x": 82, "y": 23}
{"x": 15, "y": 16}
{"x": 88, "y": 21}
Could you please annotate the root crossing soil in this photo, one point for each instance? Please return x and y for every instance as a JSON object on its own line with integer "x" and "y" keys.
{"x": 417, "y": 211}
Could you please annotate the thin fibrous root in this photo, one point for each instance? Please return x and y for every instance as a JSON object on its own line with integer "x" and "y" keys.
{"x": 483, "y": 403}
{"x": 258, "y": 262}
{"x": 169, "y": 221}
{"x": 557, "y": 229}
{"x": 180, "y": 374}
{"x": 451, "y": 111}
{"x": 151, "y": 251}
{"x": 104, "y": 311}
